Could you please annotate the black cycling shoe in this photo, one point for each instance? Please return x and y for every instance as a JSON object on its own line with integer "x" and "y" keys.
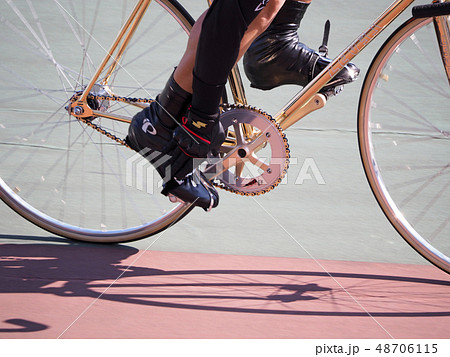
{"x": 195, "y": 189}
{"x": 277, "y": 57}
{"x": 151, "y": 130}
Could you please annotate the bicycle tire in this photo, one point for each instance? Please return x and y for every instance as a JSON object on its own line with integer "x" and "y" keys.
{"x": 403, "y": 132}
{"x": 55, "y": 171}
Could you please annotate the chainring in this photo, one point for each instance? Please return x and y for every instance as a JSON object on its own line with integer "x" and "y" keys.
{"x": 251, "y": 174}
{"x": 260, "y": 147}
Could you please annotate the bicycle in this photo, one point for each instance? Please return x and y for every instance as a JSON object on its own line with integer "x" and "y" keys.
{"x": 64, "y": 167}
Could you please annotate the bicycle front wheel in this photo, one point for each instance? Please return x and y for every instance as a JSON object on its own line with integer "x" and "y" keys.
{"x": 403, "y": 132}
{"x": 55, "y": 170}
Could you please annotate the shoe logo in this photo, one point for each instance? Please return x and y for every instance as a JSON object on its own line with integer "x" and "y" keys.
{"x": 147, "y": 125}
{"x": 199, "y": 124}
{"x": 262, "y": 5}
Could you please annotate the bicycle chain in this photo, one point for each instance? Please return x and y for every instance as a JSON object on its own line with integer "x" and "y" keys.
{"x": 88, "y": 122}
{"x": 226, "y": 106}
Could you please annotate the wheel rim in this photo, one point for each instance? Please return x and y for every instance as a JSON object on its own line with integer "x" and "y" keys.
{"x": 404, "y": 139}
{"x": 56, "y": 171}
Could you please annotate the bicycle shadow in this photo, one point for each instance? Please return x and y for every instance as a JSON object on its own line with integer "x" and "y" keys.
{"x": 103, "y": 272}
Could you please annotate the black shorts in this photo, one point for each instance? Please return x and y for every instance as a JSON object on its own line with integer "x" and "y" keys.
{"x": 218, "y": 48}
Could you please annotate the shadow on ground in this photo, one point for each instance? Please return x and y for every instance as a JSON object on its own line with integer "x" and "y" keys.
{"x": 112, "y": 273}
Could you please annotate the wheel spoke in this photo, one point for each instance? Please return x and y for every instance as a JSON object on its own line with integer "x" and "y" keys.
{"x": 74, "y": 179}
{"x": 404, "y": 138}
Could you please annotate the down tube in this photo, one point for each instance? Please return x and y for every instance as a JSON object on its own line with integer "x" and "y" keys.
{"x": 289, "y": 114}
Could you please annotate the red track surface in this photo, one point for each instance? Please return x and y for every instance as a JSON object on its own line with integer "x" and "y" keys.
{"x": 50, "y": 291}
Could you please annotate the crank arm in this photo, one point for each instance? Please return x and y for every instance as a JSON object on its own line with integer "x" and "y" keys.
{"x": 238, "y": 154}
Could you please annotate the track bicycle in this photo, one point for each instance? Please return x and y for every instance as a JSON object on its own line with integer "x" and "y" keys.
{"x": 67, "y": 97}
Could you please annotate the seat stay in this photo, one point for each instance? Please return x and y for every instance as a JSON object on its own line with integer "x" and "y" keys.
{"x": 122, "y": 40}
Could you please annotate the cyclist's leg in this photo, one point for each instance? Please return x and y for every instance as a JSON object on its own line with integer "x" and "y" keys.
{"x": 184, "y": 71}
{"x": 277, "y": 57}
{"x": 223, "y": 28}
{"x": 212, "y": 51}
{"x": 222, "y": 31}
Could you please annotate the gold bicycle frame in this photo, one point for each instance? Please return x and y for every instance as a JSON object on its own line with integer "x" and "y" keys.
{"x": 443, "y": 35}
{"x": 115, "y": 52}
{"x": 307, "y": 100}
{"x": 113, "y": 57}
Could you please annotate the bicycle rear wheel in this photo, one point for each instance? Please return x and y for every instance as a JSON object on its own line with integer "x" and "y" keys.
{"x": 403, "y": 132}
{"x": 55, "y": 170}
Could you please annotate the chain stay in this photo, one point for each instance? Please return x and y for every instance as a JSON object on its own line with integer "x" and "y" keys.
{"x": 88, "y": 122}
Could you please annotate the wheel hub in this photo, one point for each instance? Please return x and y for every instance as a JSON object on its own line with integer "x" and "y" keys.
{"x": 95, "y": 101}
